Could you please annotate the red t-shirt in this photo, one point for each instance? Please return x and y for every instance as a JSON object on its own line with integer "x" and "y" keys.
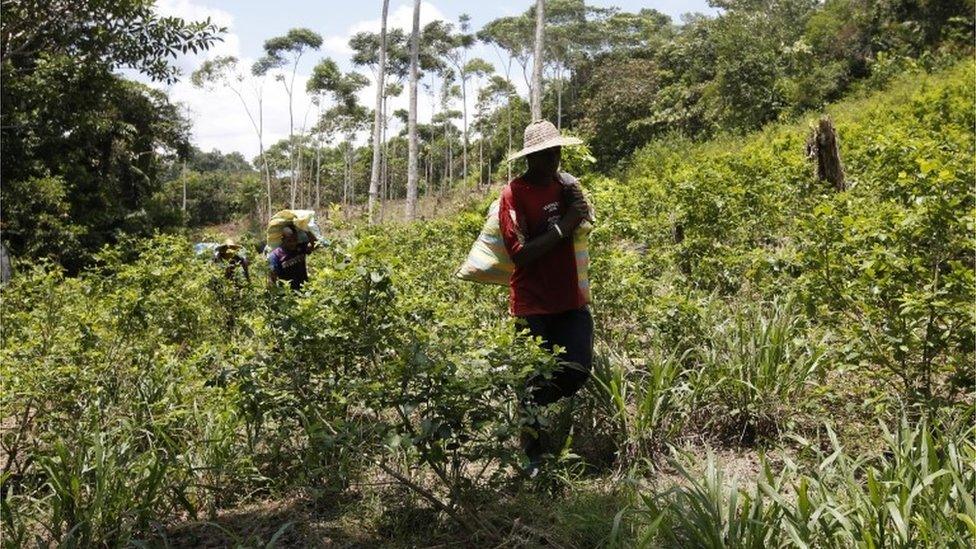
{"x": 550, "y": 284}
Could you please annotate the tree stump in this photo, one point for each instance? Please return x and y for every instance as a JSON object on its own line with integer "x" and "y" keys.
{"x": 822, "y": 149}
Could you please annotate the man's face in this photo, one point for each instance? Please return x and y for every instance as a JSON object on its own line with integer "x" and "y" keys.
{"x": 546, "y": 160}
{"x": 289, "y": 241}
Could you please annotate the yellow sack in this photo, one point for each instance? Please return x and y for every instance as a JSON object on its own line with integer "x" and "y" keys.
{"x": 581, "y": 245}
{"x": 488, "y": 260}
{"x": 303, "y": 220}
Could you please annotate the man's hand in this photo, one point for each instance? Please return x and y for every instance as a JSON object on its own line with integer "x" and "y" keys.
{"x": 573, "y": 216}
{"x": 582, "y": 206}
{"x": 574, "y": 194}
{"x": 577, "y": 211}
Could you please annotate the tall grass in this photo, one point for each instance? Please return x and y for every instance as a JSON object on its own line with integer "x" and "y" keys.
{"x": 757, "y": 368}
{"x": 708, "y": 510}
{"x": 647, "y": 404}
{"x": 917, "y": 492}
{"x": 746, "y": 380}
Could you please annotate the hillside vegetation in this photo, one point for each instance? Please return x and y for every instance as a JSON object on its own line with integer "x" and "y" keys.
{"x": 742, "y": 308}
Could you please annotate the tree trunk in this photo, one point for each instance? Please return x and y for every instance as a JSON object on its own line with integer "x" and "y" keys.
{"x": 352, "y": 176}
{"x": 267, "y": 178}
{"x": 384, "y": 163}
{"x": 183, "y": 177}
{"x": 318, "y": 174}
{"x": 488, "y": 175}
{"x": 450, "y": 158}
{"x": 411, "y": 202}
{"x": 823, "y": 150}
{"x": 509, "y": 133}
{"x": 432, "y": 157}
{"x": 347, "y": 175}
{"x": 464, "y": 142}
{"x": 291, "y": 138}
{"x": 447, "y": 160}
{"x": 559, "y": 102}
{"x": 374, "y": 177}
{"x": 537, "y": 61}
{"x": 299, "y": 187}
{"x": 389, "y": 169}
{"x": 264, "y": 159}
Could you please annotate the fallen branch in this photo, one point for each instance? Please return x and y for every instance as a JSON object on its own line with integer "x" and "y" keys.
{"x": 429, "y": 496}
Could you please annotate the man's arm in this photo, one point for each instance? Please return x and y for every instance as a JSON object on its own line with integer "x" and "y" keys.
{"x": 273, "y": 271}
{"x": 539, "y": 246}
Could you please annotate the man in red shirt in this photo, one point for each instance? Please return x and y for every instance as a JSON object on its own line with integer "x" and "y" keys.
{"x": 537, "y": 215}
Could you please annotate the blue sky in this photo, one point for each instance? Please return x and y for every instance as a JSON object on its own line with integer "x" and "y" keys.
{"x": 219, "y": 119}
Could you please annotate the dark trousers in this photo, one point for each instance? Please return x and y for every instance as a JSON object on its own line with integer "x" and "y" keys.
{"x": 573, "y": 331}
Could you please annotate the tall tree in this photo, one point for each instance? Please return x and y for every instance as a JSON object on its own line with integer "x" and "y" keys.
{"x": 435, "y": 41}
{"x": 457, "y": 55}
{"x": 574, "y": 30}
{"x": 507, "y": 34}
{"x": 326, "y": 79}
{"x": 449, "y": 93}
{"x": 374, "y": 177}
{"x": 392, "y": 89}
{"x": 497, "y": 91}
{"x": 538, "y": 60}
{"x": 476, "y": 68}
{"x": 226, "y": 71}
{"x": 411, "y": 202}
{"x": 349, "y": 118}
{"x": 366, "y": 48}
{"x": 279, "y": 52}
{"x": 514, "y": 35}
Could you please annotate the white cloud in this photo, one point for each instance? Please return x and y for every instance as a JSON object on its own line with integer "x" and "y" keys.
{"x": 219, "y": 118}
{"x": 190, "y": 11}
{"x": 338, "y": 45}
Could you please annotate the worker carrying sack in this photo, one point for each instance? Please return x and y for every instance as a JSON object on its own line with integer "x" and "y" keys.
{"x": 488, "y": 260}
{"x": 302, "y": 220}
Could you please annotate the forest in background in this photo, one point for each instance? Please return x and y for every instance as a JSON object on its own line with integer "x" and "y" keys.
{"x": 89, "y": 156}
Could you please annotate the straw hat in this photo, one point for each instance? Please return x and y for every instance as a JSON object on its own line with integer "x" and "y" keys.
{"x": 229, "y": 244}
{"x": 541, "y": 135}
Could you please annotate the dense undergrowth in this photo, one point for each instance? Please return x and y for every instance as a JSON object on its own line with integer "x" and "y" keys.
{"x": 740, "y": 304}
